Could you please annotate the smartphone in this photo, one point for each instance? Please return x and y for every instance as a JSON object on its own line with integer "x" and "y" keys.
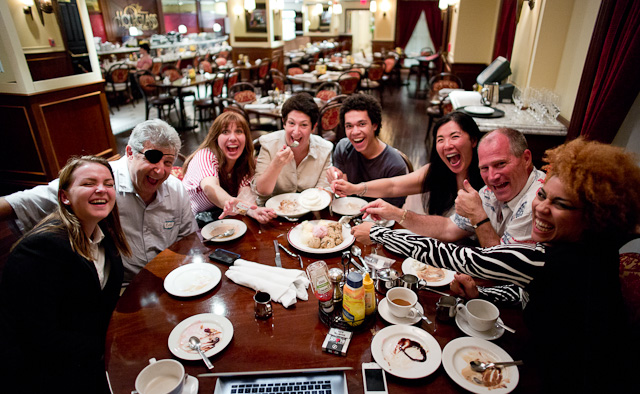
{"x": 224, "y": 256}
{"x": 374, "y": 379}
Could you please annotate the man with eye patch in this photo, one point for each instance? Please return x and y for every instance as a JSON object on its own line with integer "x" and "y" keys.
{"x": 154, "y": 207}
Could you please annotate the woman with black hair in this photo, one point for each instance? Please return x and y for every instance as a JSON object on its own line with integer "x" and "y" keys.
{"x": 454, "y": 158}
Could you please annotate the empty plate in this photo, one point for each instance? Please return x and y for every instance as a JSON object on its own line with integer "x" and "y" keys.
{"x": 479, "y": 110}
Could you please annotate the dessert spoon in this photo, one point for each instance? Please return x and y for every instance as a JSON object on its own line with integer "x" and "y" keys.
{"x": 479, "y": 366}
{"x": 194, "y": 343}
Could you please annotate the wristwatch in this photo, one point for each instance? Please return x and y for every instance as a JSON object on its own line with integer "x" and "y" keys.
{"x": 480, "y": 223}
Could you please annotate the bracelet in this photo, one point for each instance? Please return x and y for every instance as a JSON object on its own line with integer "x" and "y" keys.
{"x": 404, "y": 216}
{"x": 480, "y": 223}
{"x": 362, "y": 193}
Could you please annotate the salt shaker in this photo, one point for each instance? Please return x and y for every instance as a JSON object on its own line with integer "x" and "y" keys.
{"x": 336, "y": 275}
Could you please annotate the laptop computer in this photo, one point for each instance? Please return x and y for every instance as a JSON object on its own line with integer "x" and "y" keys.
{"x": 291, "y": 381}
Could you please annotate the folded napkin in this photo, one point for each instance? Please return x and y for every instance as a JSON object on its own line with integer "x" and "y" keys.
{"x": 260, "y": 106}
{"x": 283, "y": 285}
{"x": 464, "y": 98}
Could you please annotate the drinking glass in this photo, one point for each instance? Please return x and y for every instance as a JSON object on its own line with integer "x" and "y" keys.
{"x": 258, "y": 92}
{"x": 518, "y": 99}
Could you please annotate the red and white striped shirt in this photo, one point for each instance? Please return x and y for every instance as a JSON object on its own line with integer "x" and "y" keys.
{"x": 204, "y": 164}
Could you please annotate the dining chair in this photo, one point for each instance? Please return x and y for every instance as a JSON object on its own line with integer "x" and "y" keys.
{"x": 295, "y": 69}
{"x": 156, "y": 68}
{"x": 230, "y": 79}
{"x": 329, "y": 126}
{"x": 205, "y": 109}
{"x": 228, "y": 104}
{"x": 243, "y": 92}
{"x": 153, "y": 97}
{"x": 174, "y": 74}
{"x": 276, "y": 79}
{"x": 118, "y": 84}
{"x": 373, "y": 79}
{"x": 328, "y": 90}
{"x": 349, "y": 81}
{"x": 406, "y": 160}
{"x": 437, "y": 108}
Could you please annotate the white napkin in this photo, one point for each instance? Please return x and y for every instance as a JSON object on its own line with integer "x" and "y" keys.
{"x": 464, "y": 98}
{"x": 260, "y": 106}
{"x": 283, "y": 285}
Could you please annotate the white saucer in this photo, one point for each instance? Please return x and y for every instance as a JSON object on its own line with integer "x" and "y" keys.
{"x": 489, "y": 335}
{"x": 385, "y": 313}
{"x": 191, "y": 385}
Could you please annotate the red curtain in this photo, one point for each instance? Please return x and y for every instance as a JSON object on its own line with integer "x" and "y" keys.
{"x": 408, "y": 15}
{"x": 506, "y": 32}
{"x": 617, "y": 80}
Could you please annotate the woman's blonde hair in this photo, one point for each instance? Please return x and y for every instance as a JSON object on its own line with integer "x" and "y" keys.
{"x": 604, "y": 179}
{"x": 70, "y": 222}
{"x": 245, "y": 165}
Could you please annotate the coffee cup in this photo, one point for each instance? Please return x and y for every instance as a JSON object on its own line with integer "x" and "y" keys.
{"x": 480, "y": 314}
{"x": 402, "y": 301}
{"x": 161, "y": 377}
{"x": 262, "y": 305}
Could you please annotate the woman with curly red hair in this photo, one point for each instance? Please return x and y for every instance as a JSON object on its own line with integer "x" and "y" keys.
{"x": 588, "y": 206}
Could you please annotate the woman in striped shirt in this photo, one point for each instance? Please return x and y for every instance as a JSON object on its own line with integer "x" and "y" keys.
{"x": 219, "y": 173}
{"x": 588, "y": 206}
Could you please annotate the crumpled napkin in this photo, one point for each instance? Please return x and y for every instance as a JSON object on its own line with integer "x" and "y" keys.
{"x": 283, "y": 285}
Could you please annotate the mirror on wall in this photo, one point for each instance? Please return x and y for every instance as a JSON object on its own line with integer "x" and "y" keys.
{"x": 318, "y": 17}
{"x": 54, "y": 44}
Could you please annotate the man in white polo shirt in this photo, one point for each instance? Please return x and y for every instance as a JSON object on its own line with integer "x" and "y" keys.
{"x": 499, "y": 213}
{"x": 154, "y": 207}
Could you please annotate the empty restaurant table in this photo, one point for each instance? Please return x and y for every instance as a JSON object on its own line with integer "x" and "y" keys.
{"x": 183, "y": 291}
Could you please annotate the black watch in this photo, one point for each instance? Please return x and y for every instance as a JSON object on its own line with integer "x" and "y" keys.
{"x": 480, "y": 223}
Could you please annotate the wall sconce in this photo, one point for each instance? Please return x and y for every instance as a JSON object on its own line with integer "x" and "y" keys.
{"x": 249, "y": 5}
{"x": 318, "y": 9}
{"x": 238, "y": 10}
{"x": 43, "y": 6}
{"x": 385, "y": 6}
{"x": 443, "y": 4}
{"x": 27, "y": 7}
{"x": 373, "y": 7}
{"x": 279, "y": 5}
{"x": 532, "y": 4}
{"x": 182, "y": 29}
{"x": 337, "y": 9}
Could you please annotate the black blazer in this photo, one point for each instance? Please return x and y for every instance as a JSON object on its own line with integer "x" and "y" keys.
{"x": 52, "y": 306}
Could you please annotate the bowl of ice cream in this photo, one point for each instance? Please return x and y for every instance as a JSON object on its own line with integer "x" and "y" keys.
{"x": 314, "y": 199}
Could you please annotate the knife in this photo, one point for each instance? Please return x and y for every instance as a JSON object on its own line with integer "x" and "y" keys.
{"x": 278, "y": 262}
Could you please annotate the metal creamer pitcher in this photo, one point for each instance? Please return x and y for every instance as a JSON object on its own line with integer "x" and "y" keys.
{"x": 490, "y": 94}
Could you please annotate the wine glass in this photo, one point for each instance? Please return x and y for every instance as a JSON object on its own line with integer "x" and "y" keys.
{"x": 518, "y": 99}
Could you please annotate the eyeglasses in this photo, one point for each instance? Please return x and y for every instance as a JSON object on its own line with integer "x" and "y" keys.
{"x": 154, "y": 155}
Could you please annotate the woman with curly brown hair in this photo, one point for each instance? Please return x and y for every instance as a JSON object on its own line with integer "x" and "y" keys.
{"x": 588, "y": 206}
{"x": 218, "y": 174}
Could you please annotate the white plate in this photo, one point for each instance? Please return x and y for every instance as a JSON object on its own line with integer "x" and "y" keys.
{"x": 453, "y": 362}
{"x": 210, "y": 320}
{"x": 274, "y": 203}
{"x": 324, "y": 199}
{"x": 192, "y": 279}
{"x": 399, "y": 364}
{"x": 294, "y": 239}
{"x": 408, "y": 267}
{"x": 479, "y": 110}
{"x": 240, "y": 227}
{"x": 348, "y": 206}
{"x": 385, "y": 313}
{"x": 191, "y": 385}
{"x": 489, "y": 335}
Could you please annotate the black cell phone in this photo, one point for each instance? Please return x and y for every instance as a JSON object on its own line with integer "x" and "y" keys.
{"x": 224, "y": 256}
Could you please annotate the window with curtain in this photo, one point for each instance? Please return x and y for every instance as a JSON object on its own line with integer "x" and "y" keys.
{"x": 420, "y": 38}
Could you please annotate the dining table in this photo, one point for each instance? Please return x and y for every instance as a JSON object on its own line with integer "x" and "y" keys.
{"x": 291, "y": 338}
{"x": 175, "y": 88}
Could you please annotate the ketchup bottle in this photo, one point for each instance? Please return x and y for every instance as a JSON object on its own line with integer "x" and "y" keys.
{"x": 321, "y": 284}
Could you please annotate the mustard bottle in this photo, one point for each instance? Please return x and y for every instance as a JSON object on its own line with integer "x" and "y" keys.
{"x": 369, "y": 295}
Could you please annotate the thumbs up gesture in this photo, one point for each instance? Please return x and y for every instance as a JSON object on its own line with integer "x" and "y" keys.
{"x": 469, "y": 203}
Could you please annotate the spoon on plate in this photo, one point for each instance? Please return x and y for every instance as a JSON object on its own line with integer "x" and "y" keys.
{"x": 194, "y": 343}
{"x": 225, "y": 234}
{"x": 479, "y": 366}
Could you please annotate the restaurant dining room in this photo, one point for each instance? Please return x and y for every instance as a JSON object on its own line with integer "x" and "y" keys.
{"x": 319, "y": 196}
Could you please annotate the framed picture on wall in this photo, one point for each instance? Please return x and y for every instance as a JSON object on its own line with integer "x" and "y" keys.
{"x": 257, "y": 19}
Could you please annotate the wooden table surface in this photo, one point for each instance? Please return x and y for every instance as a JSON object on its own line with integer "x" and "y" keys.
{"x": 291, "y": 339}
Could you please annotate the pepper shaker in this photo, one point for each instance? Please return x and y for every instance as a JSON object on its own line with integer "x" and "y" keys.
{"x": 336, "y": 275}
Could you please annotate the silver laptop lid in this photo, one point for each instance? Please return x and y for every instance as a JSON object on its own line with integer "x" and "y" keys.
{"x": 319, "y": 380}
